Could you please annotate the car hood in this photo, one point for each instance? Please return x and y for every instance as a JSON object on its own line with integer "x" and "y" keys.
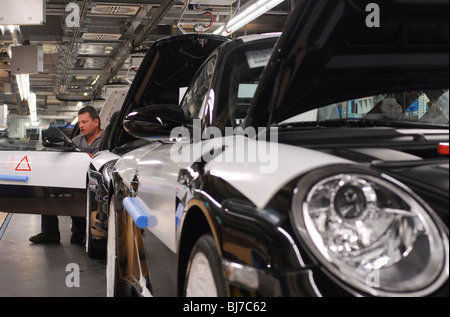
{"x": 170, "y": 63}
{"x": 328, "y": 54}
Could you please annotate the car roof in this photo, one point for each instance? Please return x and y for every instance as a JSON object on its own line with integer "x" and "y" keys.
{"x": 328, "y": 53}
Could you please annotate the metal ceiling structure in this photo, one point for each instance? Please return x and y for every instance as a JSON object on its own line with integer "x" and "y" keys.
{"x": 106, "y": 47}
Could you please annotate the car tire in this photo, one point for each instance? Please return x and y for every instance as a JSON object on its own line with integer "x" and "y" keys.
{"x": 204, "y": 277}
{"x": 112, "y": 267}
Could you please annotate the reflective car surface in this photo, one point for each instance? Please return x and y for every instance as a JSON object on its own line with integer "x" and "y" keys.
{"x": 329, "y": 177}
{"x": 162, "y": 78}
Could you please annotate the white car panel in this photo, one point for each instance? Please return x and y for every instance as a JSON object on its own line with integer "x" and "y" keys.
{"x": 284, "y": 166}
{"x": 44, "y": 168}
{"x": 157, "y": 175}
{"x": 103, "y": 157}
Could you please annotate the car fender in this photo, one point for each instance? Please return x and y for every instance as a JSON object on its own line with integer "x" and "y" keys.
{"x": 103, "y": 157}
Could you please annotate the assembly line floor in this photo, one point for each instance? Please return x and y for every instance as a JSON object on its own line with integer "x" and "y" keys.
{"x": 45, "y": 270}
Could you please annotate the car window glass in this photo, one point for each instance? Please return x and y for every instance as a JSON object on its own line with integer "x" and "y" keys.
{"x": 241, "y": 74}
{"x": 198, "y": 90}
{"x": 18, "y": 133}
{"x": 430, "y": 106}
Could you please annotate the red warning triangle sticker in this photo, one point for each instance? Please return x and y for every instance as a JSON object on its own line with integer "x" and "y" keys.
{"x": 24, "y": 165}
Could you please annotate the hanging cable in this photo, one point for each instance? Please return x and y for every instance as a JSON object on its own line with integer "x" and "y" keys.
{"x": 207, "y": 26}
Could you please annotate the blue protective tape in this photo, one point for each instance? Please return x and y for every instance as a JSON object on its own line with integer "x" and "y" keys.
{"x": 14, "y": 178}
{"x": 140, "y": 214}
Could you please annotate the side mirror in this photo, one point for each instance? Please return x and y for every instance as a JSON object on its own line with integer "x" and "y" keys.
{"x": 59, "y": 144}
{"x": 155, "y": 122}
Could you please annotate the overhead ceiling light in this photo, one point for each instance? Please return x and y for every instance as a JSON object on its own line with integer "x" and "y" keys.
{"x": 115, "y": 10}
{"x": 95, "y": 80}
{"x": 23, "y": 82}
{"x": 32, "y": 107}
{"x": 11, "y": 28}
{"x": 248, "y": 14}
{"x": 101, "y": 36}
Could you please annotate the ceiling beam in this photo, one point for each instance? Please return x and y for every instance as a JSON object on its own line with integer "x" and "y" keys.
{"x": 126, "y": 49}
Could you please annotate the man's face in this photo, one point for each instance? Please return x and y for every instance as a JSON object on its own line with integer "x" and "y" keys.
{"x": 87, "y": 126}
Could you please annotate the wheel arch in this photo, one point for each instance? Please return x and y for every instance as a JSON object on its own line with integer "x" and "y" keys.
{"x": 196, "y": 222}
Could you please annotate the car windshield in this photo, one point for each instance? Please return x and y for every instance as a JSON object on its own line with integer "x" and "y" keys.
{"x": 430, "y": 107}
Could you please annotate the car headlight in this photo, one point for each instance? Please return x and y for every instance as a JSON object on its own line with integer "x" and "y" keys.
{"x": 372, "y": 233}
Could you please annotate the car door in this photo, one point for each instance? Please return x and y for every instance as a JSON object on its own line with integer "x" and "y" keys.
{"x": 39, "y": 180}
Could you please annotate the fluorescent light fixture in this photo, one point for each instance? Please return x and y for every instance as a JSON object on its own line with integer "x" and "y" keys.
{"x": 219, "y": 30}
{"x": 248, "y": 14}
{"x": 11, "y": 28}
{"x": 32, "y": 107}
{"x": 95, "y": 80}
{"x": 23, "y": 81}
{"x": 3, "y": 117}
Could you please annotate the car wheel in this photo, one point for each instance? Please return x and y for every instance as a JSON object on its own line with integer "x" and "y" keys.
{"x": 204, "y": 276}
{"x": 112, "y": 268}
{"x": 92, "y": 248}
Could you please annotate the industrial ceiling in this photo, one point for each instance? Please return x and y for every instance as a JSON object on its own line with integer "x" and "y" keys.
{"x": 81, "y": 61}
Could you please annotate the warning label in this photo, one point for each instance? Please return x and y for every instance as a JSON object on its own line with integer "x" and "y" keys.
{"x": 24, "y": 165}
{"x": 19, "y": 163}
